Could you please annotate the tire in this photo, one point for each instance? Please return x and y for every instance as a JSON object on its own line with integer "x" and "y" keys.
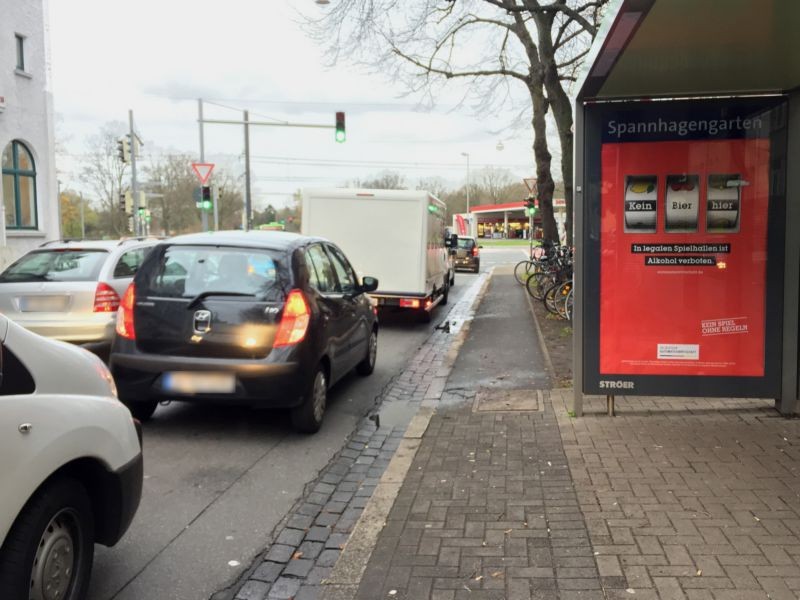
{"x": 142, "y": 409}
{"x": 367, "y": 366}
{"x": 477, "y": 267}
{"x": 51, "y": 541}
{"x": 452, "y": 278}
{"x": 522, "y": 271}
{"x": 307, "y": 418}
{"x": 424, "y": 316}
{"x": 536, "y": 285}
{"x": 445, "y": 294}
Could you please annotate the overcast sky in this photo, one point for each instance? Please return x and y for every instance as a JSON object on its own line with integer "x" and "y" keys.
{"x": 158, "y": 56}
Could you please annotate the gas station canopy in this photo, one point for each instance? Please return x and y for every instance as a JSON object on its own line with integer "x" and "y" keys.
{"x": 686, "y": 48}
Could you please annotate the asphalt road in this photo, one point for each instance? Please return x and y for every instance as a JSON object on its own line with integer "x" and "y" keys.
{"x": 218, "y": 480}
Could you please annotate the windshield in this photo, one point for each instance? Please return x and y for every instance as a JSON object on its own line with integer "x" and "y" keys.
{"x": 466, "y": 243}
{"x": 56, "y": 265}
{"x": 188, "y": 271}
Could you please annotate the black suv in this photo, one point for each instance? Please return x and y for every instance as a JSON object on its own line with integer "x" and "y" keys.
{"x": 261, "y": 318}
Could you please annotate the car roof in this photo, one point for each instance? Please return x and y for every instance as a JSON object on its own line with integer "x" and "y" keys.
{"x": 273, "y": 240}
{"x": 98, "y": 244}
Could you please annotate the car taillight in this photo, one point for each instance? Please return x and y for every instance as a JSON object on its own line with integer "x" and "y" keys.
{"x": 294, "y": 323}
{"x": 106, "y": 298}
{"x": 409, "y": 303}
{"x": 125, "y": 314}
{"x": 475, "y": 251}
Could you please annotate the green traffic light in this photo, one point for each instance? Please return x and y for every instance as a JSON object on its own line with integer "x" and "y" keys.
{"x": 206, "y": 204}
{"x": 340, "y": 136}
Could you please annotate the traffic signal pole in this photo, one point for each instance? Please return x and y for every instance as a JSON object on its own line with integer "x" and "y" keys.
{"x": 248, "y": 205}
{"x": 203, "y": 213}
{"x": 248, "y": 208}
{"x": 137, "y": 222}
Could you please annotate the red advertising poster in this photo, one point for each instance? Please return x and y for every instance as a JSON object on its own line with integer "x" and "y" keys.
{"x": 683, "y": 257}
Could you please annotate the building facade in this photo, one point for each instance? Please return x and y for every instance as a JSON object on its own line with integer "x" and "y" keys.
{"x": 29, "y": 194}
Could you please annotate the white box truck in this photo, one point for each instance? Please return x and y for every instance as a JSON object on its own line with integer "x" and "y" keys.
{"x": 397, "y": 236}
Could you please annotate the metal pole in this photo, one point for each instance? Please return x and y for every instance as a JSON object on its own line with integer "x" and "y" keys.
{"x": 83, "y": 223}
{"x": 134, "y": 183}
{"x": 60, "y": 219}
{"x": 247, "y": 200}
{"x": 203, "y": 213}
{"x": 215, "y": 200}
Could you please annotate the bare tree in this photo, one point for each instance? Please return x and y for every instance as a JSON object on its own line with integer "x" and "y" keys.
{"x": 487, "y": 43}
{"x": 435, "y": 185}
{"x": 386, "y": 180}
{"x": 105, "y": 174}
{"x": 495, "y": 183}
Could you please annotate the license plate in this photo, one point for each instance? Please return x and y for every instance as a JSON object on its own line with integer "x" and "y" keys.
{"x": 43, "y": 303}
{"x": 192, "y": 382}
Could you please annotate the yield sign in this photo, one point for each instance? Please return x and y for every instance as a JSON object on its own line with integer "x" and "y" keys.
{"x": 203, "y": 171}
{"x": 530, "y": 183}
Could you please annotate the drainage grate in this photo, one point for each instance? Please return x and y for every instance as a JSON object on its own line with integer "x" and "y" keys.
{"x": 498, "y": 400}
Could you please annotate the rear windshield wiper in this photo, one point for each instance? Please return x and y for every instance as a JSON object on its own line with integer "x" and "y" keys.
{"x": 202, "y": 295}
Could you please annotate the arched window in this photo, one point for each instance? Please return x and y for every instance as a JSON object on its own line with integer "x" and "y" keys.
{"x": 19, "y": 187}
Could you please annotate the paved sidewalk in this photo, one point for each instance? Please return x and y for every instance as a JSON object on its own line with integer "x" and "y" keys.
{"x": 694, "y": 499}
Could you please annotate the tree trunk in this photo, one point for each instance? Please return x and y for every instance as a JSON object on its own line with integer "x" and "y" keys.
{"x": 562, "y": 109}
{"x": 544, "y": 178}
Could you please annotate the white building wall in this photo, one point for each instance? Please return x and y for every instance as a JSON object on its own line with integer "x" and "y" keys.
{"x": 28, "y": 117}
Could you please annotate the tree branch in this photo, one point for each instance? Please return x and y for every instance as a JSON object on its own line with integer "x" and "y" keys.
{"x": 448, "y": 74}
{"x": 573, "y": 60}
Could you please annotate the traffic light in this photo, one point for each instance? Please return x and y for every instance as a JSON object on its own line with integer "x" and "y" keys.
{"x": 126, "y": 202}
{"x": 531, "y": 206}
{"x": 124, "y": 149}
{"x": 147, "y": 216}
{"x": 341, "y": 136}
{"x": 205, "y": 194}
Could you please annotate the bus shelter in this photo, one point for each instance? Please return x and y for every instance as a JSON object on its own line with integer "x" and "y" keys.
{"x": 687, "y": 202}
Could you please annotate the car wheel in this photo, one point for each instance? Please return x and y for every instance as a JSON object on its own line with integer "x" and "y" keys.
{"x": 424, "y": 316}
{"x": 367, "y": 366}
{"x": 446, "y": 293}
{"x": 49, "y": 550}
{"x": 142, "y": 409}
{"x": 477, "y": 267}
{"x": 307, "y": 418}
{"x": 452, "y": 278}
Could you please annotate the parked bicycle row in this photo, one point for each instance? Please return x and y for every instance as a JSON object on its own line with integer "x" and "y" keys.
{"x": 547, "y": 276}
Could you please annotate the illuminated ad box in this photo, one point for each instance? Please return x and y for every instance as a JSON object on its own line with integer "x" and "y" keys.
{"x": 683, "y": 247}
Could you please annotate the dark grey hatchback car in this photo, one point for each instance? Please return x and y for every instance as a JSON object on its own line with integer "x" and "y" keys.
{"x": 261, "y": 318}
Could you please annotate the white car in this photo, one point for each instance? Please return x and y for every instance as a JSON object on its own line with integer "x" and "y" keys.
{"x": 70, "y": 465}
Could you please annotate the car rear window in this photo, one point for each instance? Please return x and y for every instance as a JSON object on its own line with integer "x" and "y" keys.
{"x": 70, "y": 264}
{"x": 186, "y": 271}
{"x": 466, "y": 243}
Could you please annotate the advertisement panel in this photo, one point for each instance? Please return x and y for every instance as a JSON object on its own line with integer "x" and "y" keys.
{"x": 685, "y": 197}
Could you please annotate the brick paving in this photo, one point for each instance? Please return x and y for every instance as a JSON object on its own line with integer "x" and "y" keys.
{"x": 693, "y": 499}
{"x": 487, "y": 511}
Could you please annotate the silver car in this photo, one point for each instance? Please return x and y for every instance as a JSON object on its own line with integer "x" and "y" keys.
{"x": 70, "y": 290}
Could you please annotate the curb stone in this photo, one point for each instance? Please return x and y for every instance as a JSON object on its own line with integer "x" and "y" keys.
{"x": 310, "y": 540}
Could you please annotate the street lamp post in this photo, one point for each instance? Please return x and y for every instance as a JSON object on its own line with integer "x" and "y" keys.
{"x": 468, "y": 182}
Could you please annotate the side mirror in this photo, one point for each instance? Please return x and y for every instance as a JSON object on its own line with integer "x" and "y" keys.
{"x": 451, "y": 241}
{"x": 480, "y": 246}
{"x": 369, "y": 284}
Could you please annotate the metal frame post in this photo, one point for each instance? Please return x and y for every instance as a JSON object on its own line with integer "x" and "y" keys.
{"x": 579, "y": 225}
